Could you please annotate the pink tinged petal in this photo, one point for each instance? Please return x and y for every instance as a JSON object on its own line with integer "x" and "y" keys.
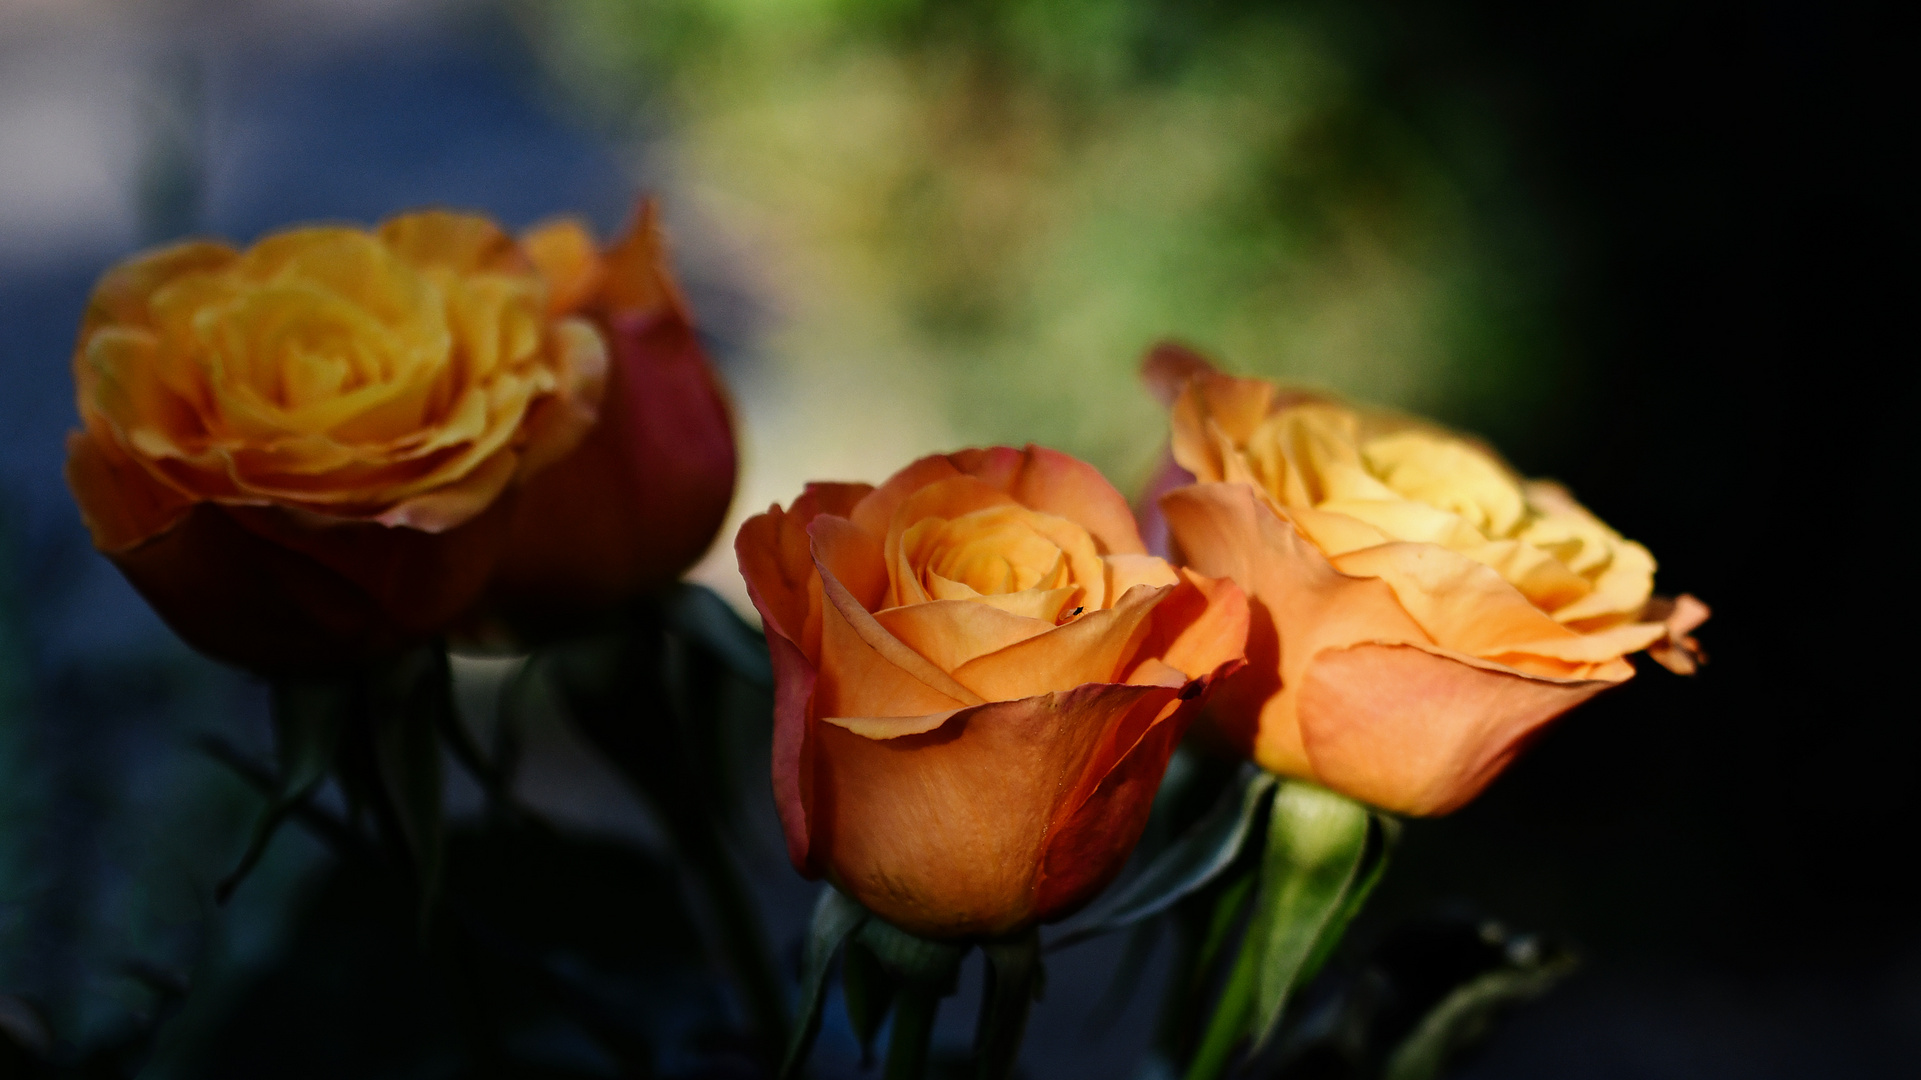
{"x": 1678, "y": 651}
{"x": 1153, "y": 525}
{"x": 1102, "y": 819}
{"x": 793, "y": 751}
{"x": 1095, "y": 648}
{"x": 1167, "y": 368}
{"x": 1415, "y": 732}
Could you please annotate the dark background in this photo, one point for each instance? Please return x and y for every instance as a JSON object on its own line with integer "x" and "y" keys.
{"x": 1715, "y": 183}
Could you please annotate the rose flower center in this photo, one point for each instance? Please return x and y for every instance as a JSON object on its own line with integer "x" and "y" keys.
{"x": 1008, "y": 556}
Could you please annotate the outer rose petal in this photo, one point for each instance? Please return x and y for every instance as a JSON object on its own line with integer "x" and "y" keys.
{"x": 1416, "y": 732}
{"x": 121, "y": 504}
{"x": 1037, "y": 478}
{"x": 1302, "y": 605}
{"x": 776, "y": 558}
{"x": 947, "y": 833}
{"x": 256, "y": 587}
{"x": 644, "y": 493}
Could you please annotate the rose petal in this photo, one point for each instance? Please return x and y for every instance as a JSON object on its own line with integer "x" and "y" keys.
{"x": 1200, "y": 627}
{"x": 949, "y": 633}
{"x": 1416, "y": 732}
{"x": 866, "y": 671}
{"x": 1302, "y": 605}
{"x": 944, "y": 832}
{"x": 563, "y": 250}
{"x": 121, "y": 504}
{"x": 1094, "y": 648}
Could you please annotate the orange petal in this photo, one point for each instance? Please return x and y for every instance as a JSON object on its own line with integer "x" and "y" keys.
{"x": 1200, "y": 627}
{"x": 121, "y": 505}
{"x": 1416, "y": 732}
{"x": 637, "y": 281}
{"x": 563, "y": 250}
{"x": 906, "y": 826}
{"x": 1102, "y": 819}
{"x": 1096, "y": 648}
{"x": 866, "y": 671}
{"x": 1301, "y": 605}
{"x": 949, "y": 633}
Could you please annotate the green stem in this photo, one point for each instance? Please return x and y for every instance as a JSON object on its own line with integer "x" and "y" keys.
{"x": 913, "y": 1031}
{"x": 1224, "y": 1029}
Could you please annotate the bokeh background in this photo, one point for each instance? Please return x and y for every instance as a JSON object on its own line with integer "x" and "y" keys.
{"x": 1646, "y": 249}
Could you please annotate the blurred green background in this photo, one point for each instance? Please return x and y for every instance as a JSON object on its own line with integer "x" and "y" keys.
{"x": 967, "y": 221}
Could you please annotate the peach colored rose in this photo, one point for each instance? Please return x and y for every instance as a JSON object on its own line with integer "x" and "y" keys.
{"x": 981, "y": 674}
{"x": 298, "y": 452}
{"x": 642, "y": 497}
{"x": 1420, "y": 609}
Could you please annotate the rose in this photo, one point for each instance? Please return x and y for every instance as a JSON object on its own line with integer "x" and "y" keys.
{"x": 642, "y": 497}
{"x": 1420, "y": 610}
{"x": 981, "y": 675}
{"x": 298, "y": 453}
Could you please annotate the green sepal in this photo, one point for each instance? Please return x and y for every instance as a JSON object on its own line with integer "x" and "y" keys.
{"x": 308, "y": 715}
{"x": 1316, "y": 847}
{"x": 1316, "y": 870}
{"x": 1199, "y": 856}
{"x": 1464, "y": 1016}
{"x": 835, "y": 918}
{"x": 1014, "y": 981}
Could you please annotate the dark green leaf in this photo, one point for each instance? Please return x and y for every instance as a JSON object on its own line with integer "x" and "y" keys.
{"x": 835, "y": 917}
{"x": 699, "y": 613}
{"x": 869, "y": 992}
{"x": 1192, "y": 861}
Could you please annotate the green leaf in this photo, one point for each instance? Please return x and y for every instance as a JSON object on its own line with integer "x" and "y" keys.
{"x": 835, "y": 918}
{"x": 915, "y": 960}
{"x": 1465, "y": 1015}
{"x": 308, "y": 715}
{"x": 1190, "y": 863}
{"x": 698, "y": 613}
{"x": 1013, "y": 982}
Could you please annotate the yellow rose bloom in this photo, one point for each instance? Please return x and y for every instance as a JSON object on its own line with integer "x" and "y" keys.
{"x": 324, "y": 382}
{"x": 1422, "y": 609}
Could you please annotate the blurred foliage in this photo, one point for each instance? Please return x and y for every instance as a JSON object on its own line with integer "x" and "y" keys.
{"x": 1019, "y": 196}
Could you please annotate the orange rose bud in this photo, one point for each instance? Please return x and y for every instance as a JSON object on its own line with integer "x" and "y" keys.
{"x": 1420, "y": 610}
{"x": 981, "y": 674}
{"x": 643, "y": 495}
{"x": 299, "y": 453}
